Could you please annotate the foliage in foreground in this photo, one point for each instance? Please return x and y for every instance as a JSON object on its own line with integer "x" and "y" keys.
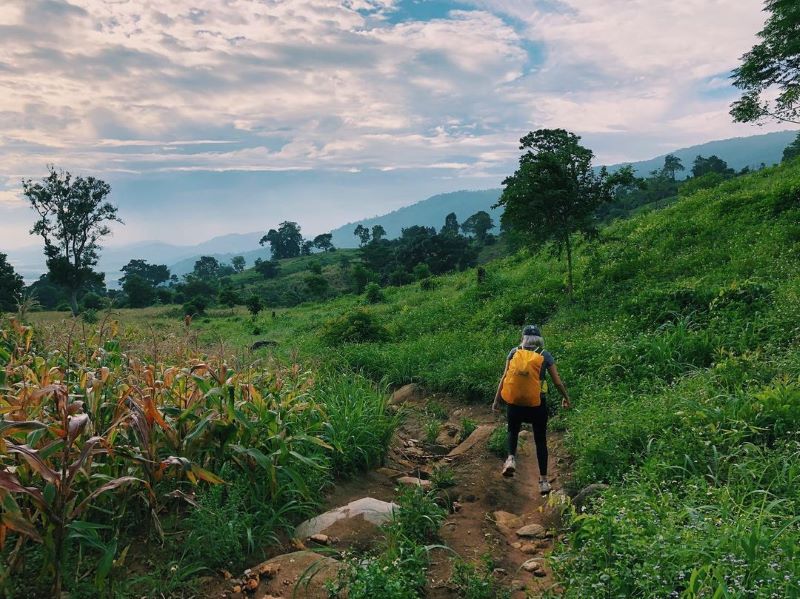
{"x": 101, "y": 450}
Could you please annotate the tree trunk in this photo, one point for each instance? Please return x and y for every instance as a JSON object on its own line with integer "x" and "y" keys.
{"x": 570, "y": 285}
{"x": 73, "y": 301}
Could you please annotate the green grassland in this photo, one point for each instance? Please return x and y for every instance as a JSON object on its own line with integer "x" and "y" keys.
{"x": 679, "y": 347}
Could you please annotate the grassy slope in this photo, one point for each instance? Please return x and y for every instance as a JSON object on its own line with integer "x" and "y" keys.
{"x": 680, "y": 350}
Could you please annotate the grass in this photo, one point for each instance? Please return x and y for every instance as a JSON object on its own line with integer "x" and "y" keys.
{"x": 679, "y": 348}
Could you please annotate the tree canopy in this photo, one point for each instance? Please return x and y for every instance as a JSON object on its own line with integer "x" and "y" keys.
{"x": 238, "y": 263}
{"x": 478, "y": 225}
{"x": 285, "y": 242}
{"x": 773, "y": 64}
{"x": 712, "y": 164}
{"x": 323, "y": 242}
{"x": 11, "y": 286}
{"x": 555, "y": 192}
{"x": 363, "y": 235}
{"x": 73, "y": 218}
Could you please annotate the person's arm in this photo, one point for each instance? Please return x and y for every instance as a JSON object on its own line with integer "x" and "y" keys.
{"x": 497, "y": 397}
{"x": 566, "y": 404}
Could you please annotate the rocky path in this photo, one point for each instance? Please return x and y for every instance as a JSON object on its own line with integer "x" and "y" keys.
{"x": 505, "y": 518}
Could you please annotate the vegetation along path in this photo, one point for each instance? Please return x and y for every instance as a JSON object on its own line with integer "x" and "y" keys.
{"x": 451, "y": 451}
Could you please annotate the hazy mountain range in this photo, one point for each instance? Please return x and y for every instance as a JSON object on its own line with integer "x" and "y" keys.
{"x": 739, "y": 153}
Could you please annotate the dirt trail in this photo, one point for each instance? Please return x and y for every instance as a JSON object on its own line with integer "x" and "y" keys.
{"x": 473, "y": 529}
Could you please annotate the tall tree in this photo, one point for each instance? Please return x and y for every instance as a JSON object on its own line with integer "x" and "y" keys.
{"x": 478, "y": 225}
{"x": 323, "y": 242}
{"x": 771, "y": 68}
{"x": 154, "y": 274}
{"x": 238, "y": 263}
{"x": 672, "y": 164}
{"x": 139, "y": 291}
{"x": 206, "y": 268}
{"x": 792, "y": 150}
{"x": 363, "y": 235}
{"x": 378, "y": 232}
{"x": 285, "y": 242}
{"x": 73, "y": 218}
{"x": 269, "y": 269}
{"x": 451, "y": 226}
{"x": 555, "y": 192}
{"x": 11, "y": 286}
{"x": 712, "y": 164}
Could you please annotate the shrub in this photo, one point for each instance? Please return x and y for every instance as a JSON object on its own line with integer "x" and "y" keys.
{"x": 468, "y": 426}
{"x": 427, "y": 284}
{"x": 196, "y": 305}
{"x": 498, "y": 441}
{"x": 443, "y": 477}
{"x": 477, "y": 582}
{"x": 254, "y": 305}
{"x": 373, "y": 293}
{"x": 417, "y": 518}
{"x": 436, "y": 409}
{"x": 89, "y": 316}
{"x": 93, "y": 301}
{"x": 358, "y": 326}
{"x": 432, "y": 428}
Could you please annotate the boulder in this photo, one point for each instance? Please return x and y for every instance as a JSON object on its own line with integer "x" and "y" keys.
{"x": 585, "y": 494}
{"x": 369, "y": 510}
{"x": 532, "y": 565}
{"x": 303, "y": 573}
{"x": 406, "y": 393}
{"x": 410, "y": 481}
{"x": 478, "y": 435}
{"x": 532, "y": 531}
{"x": 507, "y": 520}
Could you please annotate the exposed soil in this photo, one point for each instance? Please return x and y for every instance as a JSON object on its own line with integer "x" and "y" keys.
{"x": 471, "y": 530}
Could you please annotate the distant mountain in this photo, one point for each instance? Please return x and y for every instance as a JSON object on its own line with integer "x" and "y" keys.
{"x": 430, "y": 213}
{"x": 738, "y": 152}
{"x": 29, "y": 261}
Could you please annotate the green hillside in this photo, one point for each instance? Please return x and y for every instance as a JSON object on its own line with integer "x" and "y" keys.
{"x": 680, "y": 349}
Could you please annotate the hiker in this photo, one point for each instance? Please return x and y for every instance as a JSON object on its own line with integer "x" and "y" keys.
{"x": 523, "y": 389}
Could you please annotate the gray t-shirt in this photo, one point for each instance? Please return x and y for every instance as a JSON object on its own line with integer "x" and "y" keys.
{"x": 547, "y": 363}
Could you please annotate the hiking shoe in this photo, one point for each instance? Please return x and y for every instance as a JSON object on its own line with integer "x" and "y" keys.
{"x": 544, "y": 487}
{"x": 510, "y": 466}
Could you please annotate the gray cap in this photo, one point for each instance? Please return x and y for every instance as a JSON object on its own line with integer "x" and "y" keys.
{"x": 531, "y": 330}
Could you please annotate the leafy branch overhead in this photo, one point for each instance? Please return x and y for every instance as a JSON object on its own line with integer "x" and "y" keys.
{"x": 769, "y": 75}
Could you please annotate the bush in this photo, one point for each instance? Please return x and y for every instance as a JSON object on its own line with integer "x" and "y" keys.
{"x": 358, "y": 326}
{"x": 196, "y": 305}
{"x": 373, "y": 293}
{"x": 228, "y": 297}
{"x": 254, "y": 305}
{"x": 93, "y": 301}
{"x": 498, "y": 441}
{"x": 468, "y": 426}
{"x": 477, "y": 582}
{"x": 89, "y": 316}
{"x": 427, "y": 284}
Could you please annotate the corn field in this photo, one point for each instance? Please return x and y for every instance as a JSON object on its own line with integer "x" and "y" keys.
{"x": 102, "y": 450}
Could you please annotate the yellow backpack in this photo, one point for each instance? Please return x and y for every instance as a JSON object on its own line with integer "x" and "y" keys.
{"x": 522, "y": 385}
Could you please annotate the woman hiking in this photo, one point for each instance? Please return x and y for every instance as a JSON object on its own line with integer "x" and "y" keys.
{"x": 523, "y": 389}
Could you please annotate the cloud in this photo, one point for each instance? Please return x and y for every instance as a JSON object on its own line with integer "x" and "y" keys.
{"x": 328, "y": 87}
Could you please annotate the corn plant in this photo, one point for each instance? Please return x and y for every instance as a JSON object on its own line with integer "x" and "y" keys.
{"x": 55, "y": 477}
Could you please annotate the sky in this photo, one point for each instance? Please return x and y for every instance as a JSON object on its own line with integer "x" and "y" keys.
{"x": 217, "y": 116}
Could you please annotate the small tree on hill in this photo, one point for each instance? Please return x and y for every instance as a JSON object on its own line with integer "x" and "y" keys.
{"x": 378, "y": 232}
{"x": 363, "y": 235}
{"x": 254, "y": 305}
{"x": 73, "y": 218}
{"x": 478, "y": 225}
{"x": 238, "y": 263}
{"x": 285, "y": 242}
{"x": 771, "y": 65}
{"x": 323, "y": 242}
{"x": 451, "y": 225}
{"x": 206, "y": 268}
{"x": 712, "y": 164}
{"x": 672, "y": 164}
{"x": 269, "y": 269}
{"x": 555, "y": 193}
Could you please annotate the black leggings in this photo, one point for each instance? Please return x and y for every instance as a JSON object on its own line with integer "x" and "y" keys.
{"x": 538, "y": 418}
